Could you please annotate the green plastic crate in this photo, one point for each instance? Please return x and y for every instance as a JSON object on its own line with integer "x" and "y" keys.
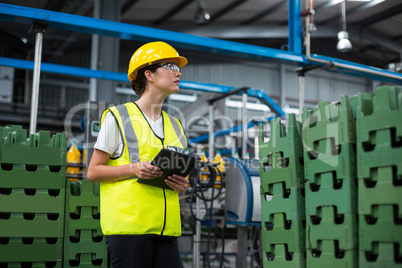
{"x": 329, "y": 121}
{"x": 38, "y": 225}
{"x": 38, "y": 149}
{"x": 342, "y": 162}
{"x": 329, "y": 255}
{"x": 37, "y": 177}
{"x": 32, "y": 200}
{"x": 291, "y": 202}
{"x": 283, "y": 231}
{"x": 288, "y": 171}
{"x": 31, "y": 249}
{"x": 379, "y": 130}
{"x": 84, "y": 243}
{"x": 279, "y": 256}
{"x": 330, "y": 191}
{"x": 285, "y": 140}
{"x": 49, "y": 264}
{"x": 379, "y": 111}
{"x": 379, "y": 190}
{"x": 9, "y": 128}
{"x": 381, "y": 255}
{"x": 382, "y": 226}
{"x": 86, "y": 260}
{"x": 328, "y": 225}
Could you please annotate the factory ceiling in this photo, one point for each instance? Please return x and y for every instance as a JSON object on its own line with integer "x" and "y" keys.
{"x": 375, "y": 27}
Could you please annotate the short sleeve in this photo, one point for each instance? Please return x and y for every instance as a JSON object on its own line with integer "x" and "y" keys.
{"x": 109, "y": 139}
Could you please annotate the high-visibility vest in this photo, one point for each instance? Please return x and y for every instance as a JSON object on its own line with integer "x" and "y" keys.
{"x": 129, "y": 207}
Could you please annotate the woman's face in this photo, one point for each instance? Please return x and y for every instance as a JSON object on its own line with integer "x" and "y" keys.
{"x": 167, "y": 77}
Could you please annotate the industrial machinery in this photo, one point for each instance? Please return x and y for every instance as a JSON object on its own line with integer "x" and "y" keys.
{"x": 242, "y": 203}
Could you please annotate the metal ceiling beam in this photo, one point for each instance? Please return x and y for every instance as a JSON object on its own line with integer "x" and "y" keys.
{"x": 355, "y": 33}
{"x": 27, "y": 15}
{"x": 55, "y": 5}
{"x": 176, "y": 9}
{"x": 353, "y": 10}
{"x": 265, "y": 13}
{"x": 327, "y": 5}
{"x": 380, "y": 16}
{"x": 127, "y": 6}
{"x": 226, "y": 9}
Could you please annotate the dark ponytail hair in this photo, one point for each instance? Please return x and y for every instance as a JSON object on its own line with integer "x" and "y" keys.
{"x": 139, "y": 83}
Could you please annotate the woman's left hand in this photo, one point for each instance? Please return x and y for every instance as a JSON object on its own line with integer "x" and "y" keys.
{"x": 177, "y": 183}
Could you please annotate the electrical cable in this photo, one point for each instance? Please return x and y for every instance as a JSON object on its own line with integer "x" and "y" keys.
{"x": 211, "y": 182}
{"x": 254, "y": 245}
{"x": 198, "y": 189}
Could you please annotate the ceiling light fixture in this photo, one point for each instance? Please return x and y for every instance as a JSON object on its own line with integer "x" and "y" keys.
{"x": 344, "y": 45}
{"x": 201, "y": 15}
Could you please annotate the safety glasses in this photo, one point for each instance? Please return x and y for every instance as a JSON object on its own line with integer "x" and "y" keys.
{"x": 172, "y": 66}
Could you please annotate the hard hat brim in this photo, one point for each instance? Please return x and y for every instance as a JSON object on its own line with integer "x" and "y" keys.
{"x": 181, "y": 61}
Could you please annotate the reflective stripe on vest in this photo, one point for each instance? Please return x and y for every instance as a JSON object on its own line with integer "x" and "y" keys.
{"x": 129, "y": 207}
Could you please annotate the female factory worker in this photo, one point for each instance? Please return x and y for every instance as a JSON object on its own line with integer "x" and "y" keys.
{"x": 141, "y": 222}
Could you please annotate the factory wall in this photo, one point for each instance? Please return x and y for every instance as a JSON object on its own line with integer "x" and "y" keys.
{"x": 320, "y": 85}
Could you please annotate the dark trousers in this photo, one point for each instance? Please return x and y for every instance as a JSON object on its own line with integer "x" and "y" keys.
{"x": 143, "y": 251}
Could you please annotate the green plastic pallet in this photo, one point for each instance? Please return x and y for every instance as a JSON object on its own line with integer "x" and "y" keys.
{"x": 289, "y": 143}
{"x": 380, "y": 227}
{"x": 9, "y": 128}
{"x": 83, "y": 194}
{"x": 32, "y": 200}
{"x": 22, "y": 176}
{"x": 383, "y": 154}
{"x": 329, "y": 121}
{"x": 379, "y": 190}
{"x": 328, "y": 255}
{"x": 280, "y": 257}
{"x": 32, "y": 225}
{"x": 49, "y": 264}
{"x": 379, "y": 130}
{"x": 342, "y": 162}
{"x": 84, "y": 244}
{"x": 328, "y": 226}
{"x": 38, "y": 149}
{"x": 31, "y": 250}
{"x": 381, "y": 256}
{"x": 330, "y": 191}
{"x": 292, "y": 175}
{"x": 292, "y": 205}
{"x": 284, "y": 231}
{"x": 86, "y": 260}
{"x": 379, "y": 111}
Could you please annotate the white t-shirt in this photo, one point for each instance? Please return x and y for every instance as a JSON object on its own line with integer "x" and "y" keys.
{"x": 109, "y": 139}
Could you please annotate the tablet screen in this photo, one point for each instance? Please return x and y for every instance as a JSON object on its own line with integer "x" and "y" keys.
{"x": 170, "y": 162}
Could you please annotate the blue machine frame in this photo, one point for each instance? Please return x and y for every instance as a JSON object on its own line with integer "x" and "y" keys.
{"x": 26, "y": 15}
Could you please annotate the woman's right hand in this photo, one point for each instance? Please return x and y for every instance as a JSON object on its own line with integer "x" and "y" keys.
{"x": 145, "y": 170}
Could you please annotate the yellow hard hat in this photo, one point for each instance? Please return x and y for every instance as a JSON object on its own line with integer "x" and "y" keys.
{"x": 151, "y": 53}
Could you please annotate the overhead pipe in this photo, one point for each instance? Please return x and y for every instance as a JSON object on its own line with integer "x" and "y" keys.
{"x": 309, "y": 7}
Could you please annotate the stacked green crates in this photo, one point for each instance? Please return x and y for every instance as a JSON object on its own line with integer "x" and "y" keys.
{"x": 84, "y": 243}
{"x": 282, "y": 195}
{"x": 379, "y": 162}
{"x": 330, "y": 172}
{"x": 32, "y": 196}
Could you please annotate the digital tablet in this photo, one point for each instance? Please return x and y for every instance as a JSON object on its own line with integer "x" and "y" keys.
{"x": 170, "y": 162}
